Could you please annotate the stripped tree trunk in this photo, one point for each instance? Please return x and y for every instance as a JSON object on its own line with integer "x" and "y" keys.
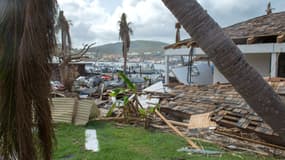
{"x": 125, "y": 52}
{"x": 230, "y": 62}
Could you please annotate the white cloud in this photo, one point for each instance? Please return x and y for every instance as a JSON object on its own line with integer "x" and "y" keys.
{"x": 93, "y": 21}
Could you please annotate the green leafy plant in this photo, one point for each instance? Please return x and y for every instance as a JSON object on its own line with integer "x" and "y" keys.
{"x": 146, "y": 113}
{"x": 128, "y": 82}
{"x": 116, "y": 92}
{"x": 130, "y": 107}
{"x": 131, "y": 88}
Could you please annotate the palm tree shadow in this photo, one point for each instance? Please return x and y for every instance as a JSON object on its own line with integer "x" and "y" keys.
{"x": 97, "y": 125}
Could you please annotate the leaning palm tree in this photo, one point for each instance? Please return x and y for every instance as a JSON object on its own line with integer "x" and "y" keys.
{"x": 230, "y": 62}
{"x": 26, "y": 42}
{"x": 124, "y": 34}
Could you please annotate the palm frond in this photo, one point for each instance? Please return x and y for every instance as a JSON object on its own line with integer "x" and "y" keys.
{"x": 26, "y": 41}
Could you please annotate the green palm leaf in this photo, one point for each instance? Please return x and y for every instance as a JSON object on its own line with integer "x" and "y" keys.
{"x": 129, "y": 84}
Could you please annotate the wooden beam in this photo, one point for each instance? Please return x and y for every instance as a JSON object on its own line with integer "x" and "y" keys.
{"x": 250, "y": 140}
{"x": 280, "y": 38}
{"x": 251, "y": 40}
{"x": 263, "y": 48}
{"x": 177, "y": 131}
{"x": 178, "y": 123}
{"x": 190, "y": 44}
{"x": 201, "y": 59}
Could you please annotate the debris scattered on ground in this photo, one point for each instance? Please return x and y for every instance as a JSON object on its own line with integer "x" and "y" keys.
{"x": 213, "y": 113}
{"x": 199, "y": 151}
{"x": 157, "y": 88}
{"x": 192, "y": 144}
{"x": 146, "y": 101}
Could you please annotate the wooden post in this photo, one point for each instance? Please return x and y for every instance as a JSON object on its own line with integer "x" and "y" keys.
{"x": 166, "y": 73}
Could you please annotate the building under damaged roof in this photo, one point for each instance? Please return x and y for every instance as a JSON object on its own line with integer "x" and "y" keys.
{"x": 261, "y": 40}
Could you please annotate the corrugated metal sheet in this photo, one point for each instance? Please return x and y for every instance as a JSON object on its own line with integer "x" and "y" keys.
{"x": 83, "y": 112}
{"x": 64, "y": 108}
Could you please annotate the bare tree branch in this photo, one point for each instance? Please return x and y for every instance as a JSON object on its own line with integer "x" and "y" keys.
{"x": 83, "y": 51}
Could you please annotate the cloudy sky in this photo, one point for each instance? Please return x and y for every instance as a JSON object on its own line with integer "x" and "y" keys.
{"x": 97, "y": 20}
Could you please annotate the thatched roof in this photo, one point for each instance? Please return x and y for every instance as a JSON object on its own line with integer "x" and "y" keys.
{"x": 264, "y": 29}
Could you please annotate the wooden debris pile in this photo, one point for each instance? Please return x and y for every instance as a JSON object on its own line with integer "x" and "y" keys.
{"x": 201, "y": 99}
{"x": 228, "y": 109}
{"x": 246, "y": 120}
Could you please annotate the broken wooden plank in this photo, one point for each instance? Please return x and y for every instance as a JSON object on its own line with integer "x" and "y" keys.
{"x": 177, "y": 114}
{"x": 192, "y": 144}
{"x": 201, "y": 121}
{"x": 251, "y": 40}
{"x": 280, "y": 38}
{"x": 250, "y": 140}
{"x": 178, "y": 123}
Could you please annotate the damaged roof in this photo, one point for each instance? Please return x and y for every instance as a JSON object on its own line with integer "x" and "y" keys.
{"x": 227, "y": 106}
{"x": 263, "y": 29}
{"x": 272, "y": 24}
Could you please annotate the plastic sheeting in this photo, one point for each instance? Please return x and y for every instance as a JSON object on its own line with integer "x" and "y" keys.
{"x": 91, "y": 142}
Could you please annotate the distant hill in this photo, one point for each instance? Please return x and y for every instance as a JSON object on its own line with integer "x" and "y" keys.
{"x": 139, "y": 46}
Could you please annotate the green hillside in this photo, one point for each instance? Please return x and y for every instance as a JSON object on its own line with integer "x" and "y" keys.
{"x": 139, "y": 46}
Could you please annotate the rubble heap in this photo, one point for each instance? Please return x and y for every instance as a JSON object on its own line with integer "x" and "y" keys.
{"x": 228, "y": 108}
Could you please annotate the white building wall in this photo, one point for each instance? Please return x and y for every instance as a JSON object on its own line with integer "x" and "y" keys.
{"x": 261, "y": 62}
{"x": 262, "y": 50}
{"x": 274, "y": 64}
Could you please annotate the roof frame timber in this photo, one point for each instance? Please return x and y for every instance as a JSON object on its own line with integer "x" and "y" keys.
{"x": 262, "y": 48}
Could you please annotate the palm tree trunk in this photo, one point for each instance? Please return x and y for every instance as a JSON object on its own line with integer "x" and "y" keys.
{"x": 125, "y": 56}
{"x": 63, "y": 43}
{"x": 230, "y": 62}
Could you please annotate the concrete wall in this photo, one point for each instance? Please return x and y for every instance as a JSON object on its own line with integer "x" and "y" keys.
{"x": 261, "y": 62}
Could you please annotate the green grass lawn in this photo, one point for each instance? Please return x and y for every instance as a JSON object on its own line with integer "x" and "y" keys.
{"x": 129, "y": 143}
